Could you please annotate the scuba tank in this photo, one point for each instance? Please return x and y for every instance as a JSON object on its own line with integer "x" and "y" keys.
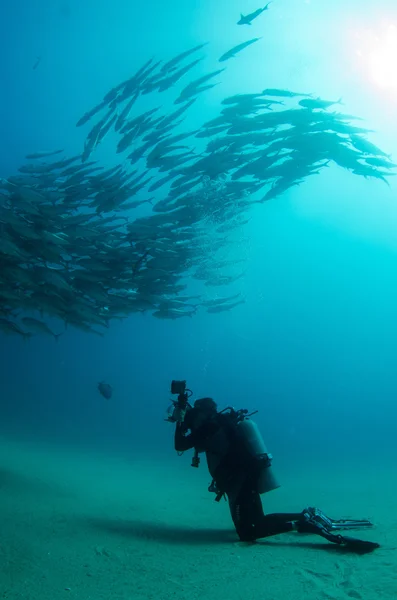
{"x": 252, "y": 439}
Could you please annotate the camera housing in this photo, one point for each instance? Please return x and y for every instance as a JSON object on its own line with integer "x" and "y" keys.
{"x": 176, "y": 412}
{"x": 178, "y": 387}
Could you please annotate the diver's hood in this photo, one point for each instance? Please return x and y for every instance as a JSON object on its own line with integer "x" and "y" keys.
{"x": 203, "y": 410}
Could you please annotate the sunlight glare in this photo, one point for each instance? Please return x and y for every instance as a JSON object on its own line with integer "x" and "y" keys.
{"x": 377, "y": 53}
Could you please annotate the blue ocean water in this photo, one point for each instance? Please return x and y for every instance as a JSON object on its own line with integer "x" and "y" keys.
{"x": 313, "y": 347}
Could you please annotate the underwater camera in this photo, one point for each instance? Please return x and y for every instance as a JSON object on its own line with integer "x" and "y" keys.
{"x": 178, "y": 387}
{"x": 178, "y": 407}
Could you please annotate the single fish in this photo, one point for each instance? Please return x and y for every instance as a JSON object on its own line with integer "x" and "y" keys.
{"x": 88, "y": 115}
{"x": 39, "y": 327}
{"x": 164, "y": 84}
{"x": 126, "y": 111}
{"x": 380, "y": 162}
{"x": 9, "y": 327}
{"x": 217, "y": 301}
{"x": 313, "y": 103}
{"x": 105, "y": 390}
{"x": 247, "y": 19}
{"x": 171, "y": 64}
{"x": 223, "y": 307}
{"x": 367, "y": 147}
{"x": 233, "y": 51}
{"x": 283, "y": 93}
{"x": 43, "y": 153}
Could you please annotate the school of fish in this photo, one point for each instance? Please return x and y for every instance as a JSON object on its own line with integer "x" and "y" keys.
{"x": 73, "y": 249}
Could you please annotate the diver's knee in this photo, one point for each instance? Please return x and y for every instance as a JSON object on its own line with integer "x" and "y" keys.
{"x": 246, "y": 534}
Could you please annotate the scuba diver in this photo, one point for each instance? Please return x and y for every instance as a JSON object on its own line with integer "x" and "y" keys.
{"x": 241, "y": 470}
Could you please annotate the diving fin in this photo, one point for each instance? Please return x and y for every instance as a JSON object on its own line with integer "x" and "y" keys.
{"x": 358, "y": 546}
{"x": 313, "y": 520}
{"x": 350, "y": 524}
{"x": 315, "y": 515}
{"x": 350, "y": 543}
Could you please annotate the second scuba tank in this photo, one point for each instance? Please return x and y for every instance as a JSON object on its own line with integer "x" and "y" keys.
{"x": 253, "y": 441}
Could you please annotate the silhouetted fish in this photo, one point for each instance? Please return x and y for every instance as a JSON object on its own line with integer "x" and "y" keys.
{"x": 105, "y": 390}
{"x": 247, "y": 20}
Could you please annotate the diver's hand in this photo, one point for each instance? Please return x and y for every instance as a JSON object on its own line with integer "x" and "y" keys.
{"x": 179, "y": 414}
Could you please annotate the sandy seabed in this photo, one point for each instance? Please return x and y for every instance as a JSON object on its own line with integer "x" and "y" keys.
{"x": 91, "y": 527}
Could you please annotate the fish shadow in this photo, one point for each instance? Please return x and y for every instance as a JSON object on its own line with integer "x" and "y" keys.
{"x": 20, "y": 484}
{"x": 11, "y": 480}
{"x": 17, "y": 482}
{"x": 161, "y": 532}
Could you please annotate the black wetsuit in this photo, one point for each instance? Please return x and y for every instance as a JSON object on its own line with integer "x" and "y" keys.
{"x": 236, "y": 475}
